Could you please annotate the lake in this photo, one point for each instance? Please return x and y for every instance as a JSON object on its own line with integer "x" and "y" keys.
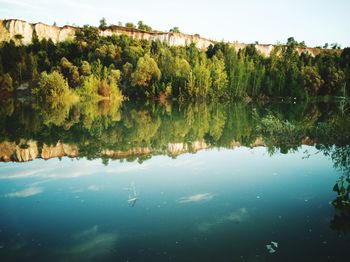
{"x": 175, "y": 181}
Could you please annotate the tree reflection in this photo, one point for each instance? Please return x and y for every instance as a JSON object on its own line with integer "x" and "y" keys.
{"x": 138, "y": 130}
{"x": 340, "y": 156}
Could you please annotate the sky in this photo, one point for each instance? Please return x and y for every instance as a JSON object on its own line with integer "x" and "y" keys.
{"x": 270, "y": 21}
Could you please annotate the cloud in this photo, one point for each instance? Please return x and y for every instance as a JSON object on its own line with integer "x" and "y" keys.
{"x": 86, "y": 233}
{"x": 37, "y": 172}
{"x": 236, "y": 216}
{"x": 56, "y": 170}
{"x": 93, "y": 188}
{"x": 196, "y": 198}
{"x": 89, "y": 245}
{"x": 28, "y": 192}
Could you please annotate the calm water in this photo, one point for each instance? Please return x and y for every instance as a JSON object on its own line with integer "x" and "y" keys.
{"x": 199, "y": 182}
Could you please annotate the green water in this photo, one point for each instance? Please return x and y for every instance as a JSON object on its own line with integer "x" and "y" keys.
{"x": 175, "y": 182}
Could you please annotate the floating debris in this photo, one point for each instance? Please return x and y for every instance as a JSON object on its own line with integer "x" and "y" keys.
{"x": 275, "y": 244}
{"x": 133, "y": 197}
{"x": 272, "y": 247}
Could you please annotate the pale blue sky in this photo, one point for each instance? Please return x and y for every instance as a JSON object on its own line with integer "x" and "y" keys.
{"x": 269, "y": 21}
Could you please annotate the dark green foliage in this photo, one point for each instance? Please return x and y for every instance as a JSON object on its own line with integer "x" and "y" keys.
{"x": 130, "y": 25}
{"x": 142, "y": 26}
{"x": 103, "y": 24}
{"x": 175, "y": 30}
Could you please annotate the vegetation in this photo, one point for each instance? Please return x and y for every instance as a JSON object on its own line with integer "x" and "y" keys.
{"x": 52, "y": 87}
{"x": 154, "y": 69}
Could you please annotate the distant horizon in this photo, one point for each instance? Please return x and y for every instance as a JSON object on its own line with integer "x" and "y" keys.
{"x": 268, "y": 22}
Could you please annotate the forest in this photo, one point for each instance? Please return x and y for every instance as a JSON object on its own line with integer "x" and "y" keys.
{"x": 92, "y": 67}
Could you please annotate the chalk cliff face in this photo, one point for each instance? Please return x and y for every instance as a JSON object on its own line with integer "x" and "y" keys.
{"x": 18, "y": 27}
{"x": 28, "y": 150}
{"x": 10, "y": 28}
{"x": 13, "y": 27}
{"x": 10, "y": 151}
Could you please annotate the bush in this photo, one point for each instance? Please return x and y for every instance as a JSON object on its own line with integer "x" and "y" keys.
{"x": 52, "y": 87}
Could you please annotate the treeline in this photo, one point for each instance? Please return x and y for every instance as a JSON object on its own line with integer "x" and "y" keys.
{"x": 92, "y": 65}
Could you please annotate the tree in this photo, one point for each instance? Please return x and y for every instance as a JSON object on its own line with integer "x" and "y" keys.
{"x": 335, "y": 46}
{"x": 103, "y": 24}
{"x": 291, "y": 42}
{"x": 312, "y": 80}
{"x": 32, "y": 67}
{"x": 70, "y": 71}
{"x": 87, "y": 36}
{"x": 199, "y": 81}
{"x": 146, "y": 72}
{"x": 130, "y": 25}
{"x": 218, "y": 76}
{"x": 51, "y": 87}
{"x": 175, "y": 30}
{"x": 142, "y": 26}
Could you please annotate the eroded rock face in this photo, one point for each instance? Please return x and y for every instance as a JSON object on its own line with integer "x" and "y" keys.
{"x": 59, "y": 150}
{"x": 7, "y": 150}
{"x": 139, "y": 151}
{"x": 12, "y": 27}
{"x": 22, "y": 152}
{"x": 28, "y": 152}
{"x": 173, "y": 149}
{"x": 258, "y": 142}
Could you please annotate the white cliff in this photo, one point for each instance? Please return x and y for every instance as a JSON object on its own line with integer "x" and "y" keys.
{"x": 12, "y": 27}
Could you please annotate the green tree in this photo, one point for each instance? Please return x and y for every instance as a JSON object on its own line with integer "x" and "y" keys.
{"x": 175, "y": 30}
{"x": 87, "y": 37}
{"x": 103, "y": 24}
{"x": 146, "y": 73}
{"x": 130, "y": 25}
{"x": 70, "y": 71}
{"x": 52, "y": 88}
{"x": 312, "y": 80}
{"x": 142, "y": 26}
{"x": 218, "y": 76}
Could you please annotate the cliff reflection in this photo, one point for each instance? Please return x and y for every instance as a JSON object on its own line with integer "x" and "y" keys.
{"x": 137, "y": 131}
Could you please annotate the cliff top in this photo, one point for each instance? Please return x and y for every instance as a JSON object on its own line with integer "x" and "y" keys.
{"x": 9, "y": 28}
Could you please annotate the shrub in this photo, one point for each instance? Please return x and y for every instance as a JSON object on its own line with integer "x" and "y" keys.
{"x": 52, "y": 88}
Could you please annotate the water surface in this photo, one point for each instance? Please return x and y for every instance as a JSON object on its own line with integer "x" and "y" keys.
{"x": 198, "y": 182}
